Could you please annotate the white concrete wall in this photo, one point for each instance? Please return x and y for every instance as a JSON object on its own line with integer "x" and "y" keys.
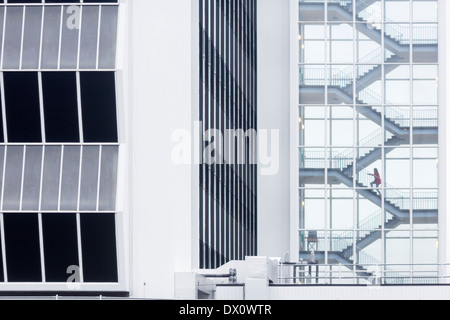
{"x": 274, "y": 113}
{"x": 162, "y": 100}
{"x": 228, "y": 293}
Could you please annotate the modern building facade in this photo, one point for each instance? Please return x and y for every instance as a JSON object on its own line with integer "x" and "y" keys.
{"x": 81, "y": 84}
{"x": 368, "y": 171}
{"x": 59, "y": 145}
{"x": 117, "y": 172}
{"x": 369, "y": 136}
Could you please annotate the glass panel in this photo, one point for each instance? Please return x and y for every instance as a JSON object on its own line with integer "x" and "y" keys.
{"x": 425, "y": 11}
{"x": 32, "y": 38}
{"x": 425, "y": 168}
{"x": 32, "y": 178}
{"x": 398, "y": 256}
{"x": 50, "y": 45}
{"x": 108, "y": 38}
{"x": 341, "y": 210}
{"x": 314, "y": 207}
{"x": 22, "y": 107}
{"x": 312, "y": 43}
{"x": 311, "y": 11}
{"x": 425, "y": 257}
{"x": 13, "y": 178}
{"x": 50, "y": 182}
{"x": 13, "y": 36}
{"x": 70, "y": 178}
{"x": 59, "y": 91}
{"x": 2, "y": 17}
{"x": 70, "y": 35}
{"x": 23, "y": 257}
{"x": 89, "y": 178}
{"x": 60, "y": 245}
{"x": 369, "y": 216}
{"x": 99, "y": 106}
{"x": 108, "y": 178}
{"x": 98, "y": 239}
{"x": 89, "y": 34}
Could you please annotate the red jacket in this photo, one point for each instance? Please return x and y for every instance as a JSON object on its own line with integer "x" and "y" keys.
{"x": 377, "y": 178}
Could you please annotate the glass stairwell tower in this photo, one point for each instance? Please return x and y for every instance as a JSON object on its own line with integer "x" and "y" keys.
{"x": 368, "y": 154}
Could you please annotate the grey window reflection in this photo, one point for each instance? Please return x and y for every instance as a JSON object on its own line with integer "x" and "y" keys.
{"x": 50, "y": 45}
{"x": 2, "y": 17}
{"x": 70, "y": 178}
{"x": 89, "y": 33}
{"x": 32, "y": 178}
{"x": 32, "y": 37}
{"x": 108, "y": 178}
{"x": 69, "y": 42}
{"x": 13, "y": 177}
{"x": 108, "y": 38}
{"x": 89, "y": 178}
{"x": 13, "y": 35}
{"x": 50, "y": 182}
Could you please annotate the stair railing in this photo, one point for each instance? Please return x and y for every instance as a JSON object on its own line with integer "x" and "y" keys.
{"x": 421, "y": 34}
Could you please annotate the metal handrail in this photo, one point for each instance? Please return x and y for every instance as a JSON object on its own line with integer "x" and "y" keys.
{"x": 421, "y": 117}
{"x": 374, "y": 274}
{"x": 421, "y": 200}
{"x": 404, "y": 35}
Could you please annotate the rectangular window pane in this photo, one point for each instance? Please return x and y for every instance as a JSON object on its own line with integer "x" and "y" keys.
{"x": 98, "y": 239}
{"x": 89, "y": 178}
{"x": 22, "y": 106}
{"x": 60, "y": 106}
{"x": 70, "y": 178}
{"x": 32, "y": 37}
{"x": 50, "y": 182}
{"x": 13, "y": 178}
{"x": 32, "y": 178}
{"x": 89, "y": 34}
{"x": 50, "y": 45}
{"x": 2, "y": 17}
{"x": 108, "y": 38}
{"x": 13, "y": 37}
{"x": 108, "y": 178}
{"x": 22, "y": 247}
{"x": 60, "y": 245}
{"x": 99, "y": 106}
{"x": 69, "y": 41}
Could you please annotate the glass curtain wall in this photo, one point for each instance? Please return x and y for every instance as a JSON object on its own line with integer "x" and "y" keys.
{"x": 368, "y": 126}
{"x": 59, "y": 143}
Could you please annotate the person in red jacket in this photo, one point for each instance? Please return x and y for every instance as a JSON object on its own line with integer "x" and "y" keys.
{"x": 377, "y": 180}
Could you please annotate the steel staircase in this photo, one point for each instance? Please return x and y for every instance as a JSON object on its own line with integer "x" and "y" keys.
{"x": 368, "y": 103}
{"x": 368, "y": 18}
{"x": 350, "y": 86}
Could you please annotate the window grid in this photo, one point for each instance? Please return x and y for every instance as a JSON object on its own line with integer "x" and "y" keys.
{"x": 328, "y": 186}
{"x": 45, "y": 144}
{"x": 63, "y": 20}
